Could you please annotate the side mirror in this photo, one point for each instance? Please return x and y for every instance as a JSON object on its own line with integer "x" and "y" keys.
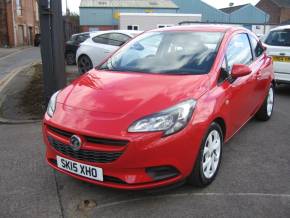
{"x": 264, "y": 46}
{"x": 240, "y": 70}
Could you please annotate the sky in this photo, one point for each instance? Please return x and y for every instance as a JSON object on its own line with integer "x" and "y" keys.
{"x": 73, "y": 5}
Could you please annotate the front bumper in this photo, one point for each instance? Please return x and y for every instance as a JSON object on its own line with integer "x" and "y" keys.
{"x": 282, "y": 77}
{"x": 142, "y": 152}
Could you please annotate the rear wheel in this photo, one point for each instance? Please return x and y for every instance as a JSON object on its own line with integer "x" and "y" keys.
{"x": 84, "y": 64}
{"x": 266, "y": 110}
{"x": 208, "y": 162}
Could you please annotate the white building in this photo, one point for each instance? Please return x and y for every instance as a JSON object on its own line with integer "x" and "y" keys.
{"x": 147, "y": 21}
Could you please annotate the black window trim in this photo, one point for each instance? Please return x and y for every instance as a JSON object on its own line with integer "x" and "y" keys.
{"x": 253, "y": 49}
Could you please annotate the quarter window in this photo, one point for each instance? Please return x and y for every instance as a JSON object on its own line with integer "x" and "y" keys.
{"x": 102, "y": 39}
{"x": 256, "y": 46}
{"x": 118, "y": 39}
{"x": 239, "y": 51}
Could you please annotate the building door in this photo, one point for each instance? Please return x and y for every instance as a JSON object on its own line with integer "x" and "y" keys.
{"x": 30, "y": 36}
{"x": 20, "y": 35}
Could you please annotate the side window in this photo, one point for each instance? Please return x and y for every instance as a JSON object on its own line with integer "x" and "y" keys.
{"x": 256, "y": 46}
{"x": 239, "y": 51}
{"x": 117, "y": 39}
{"x": 102, "y": 39}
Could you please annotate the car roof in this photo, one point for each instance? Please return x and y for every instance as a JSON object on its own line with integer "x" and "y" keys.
{"x": 281, "y": 28}
{"x": 202, "y": 27}
{"x": 79, "y": 34}
{"x": 127, "y": 32}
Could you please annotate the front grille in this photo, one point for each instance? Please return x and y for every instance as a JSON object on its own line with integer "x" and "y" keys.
{"x": 85, "y": 155}
{"x": 60, "y": 132}
{"x": 103, "y": 141}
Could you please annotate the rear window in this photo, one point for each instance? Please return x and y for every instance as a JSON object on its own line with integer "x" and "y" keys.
{"x": 278, "y": 38}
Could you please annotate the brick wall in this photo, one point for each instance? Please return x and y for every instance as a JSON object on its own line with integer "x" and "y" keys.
{"x": 272, "y": 9}
{"x": 20, "y": 27}
{"x": 285, "y": 14}
{"x": 3, "y": 25}
{"x": 11, "y": 40}
{"x": 26, "y": 23}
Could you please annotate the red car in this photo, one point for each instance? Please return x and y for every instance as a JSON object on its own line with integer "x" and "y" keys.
{"x": 159, "y": 110}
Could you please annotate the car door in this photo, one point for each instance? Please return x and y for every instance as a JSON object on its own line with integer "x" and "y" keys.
{"x": 261, "y": 70}
{"x": 238, "y": 103}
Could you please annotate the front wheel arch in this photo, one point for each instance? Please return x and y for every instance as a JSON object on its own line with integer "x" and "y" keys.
{"x": 221, "y": 122}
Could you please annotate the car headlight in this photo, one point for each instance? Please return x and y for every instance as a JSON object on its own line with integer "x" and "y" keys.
{"x": 52, "y": 104}
{"x": 169, "y": 121}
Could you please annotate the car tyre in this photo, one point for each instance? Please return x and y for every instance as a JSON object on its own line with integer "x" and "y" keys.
{"x": 266, "y": 110}
{"x": 84, "y": 64}
{"x": 70, "y": 58}
{"x": 209, "y": 158}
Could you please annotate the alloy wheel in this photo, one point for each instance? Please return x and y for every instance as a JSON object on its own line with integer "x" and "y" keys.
{"x": 270, "y": 102}
{"x": 211, "y": 154}
{"x": 85, "y": 64}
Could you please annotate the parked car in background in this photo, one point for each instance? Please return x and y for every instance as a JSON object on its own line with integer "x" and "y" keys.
{"x": 160, "y": 109}
{"x": 99, "y": 46}
{"x": 278, "y": 46}
{"x": 72, "y": 45}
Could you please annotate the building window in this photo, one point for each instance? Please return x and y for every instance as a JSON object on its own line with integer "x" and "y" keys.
{"x": 164, "y": 25}
{"x": 19, "y": 7}
{"x": 36, "y": 11}
{"x": 132, "y": 27}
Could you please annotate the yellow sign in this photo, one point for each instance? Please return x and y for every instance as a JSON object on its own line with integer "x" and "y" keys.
{"x": 116, "y": 15}
{"x": 148, "y": 11}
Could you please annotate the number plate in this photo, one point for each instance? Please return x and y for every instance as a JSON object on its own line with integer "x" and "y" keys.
{"x": 281, "y": 59}
{"x": 84, "y": 170}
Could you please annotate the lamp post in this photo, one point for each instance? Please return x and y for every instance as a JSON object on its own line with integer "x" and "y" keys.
{"x": 52, "y": 46}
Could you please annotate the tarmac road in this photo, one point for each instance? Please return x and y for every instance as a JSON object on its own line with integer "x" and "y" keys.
{"x": 10, "y": 60}
{"x": 254, "y": 180}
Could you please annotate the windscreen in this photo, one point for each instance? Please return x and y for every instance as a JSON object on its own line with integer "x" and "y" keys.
{"x": 167, "y": 52}
{"x": 279, "y": 38}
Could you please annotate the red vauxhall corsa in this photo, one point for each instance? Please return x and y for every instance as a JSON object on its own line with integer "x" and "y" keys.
{"x": 160, "y": 109}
